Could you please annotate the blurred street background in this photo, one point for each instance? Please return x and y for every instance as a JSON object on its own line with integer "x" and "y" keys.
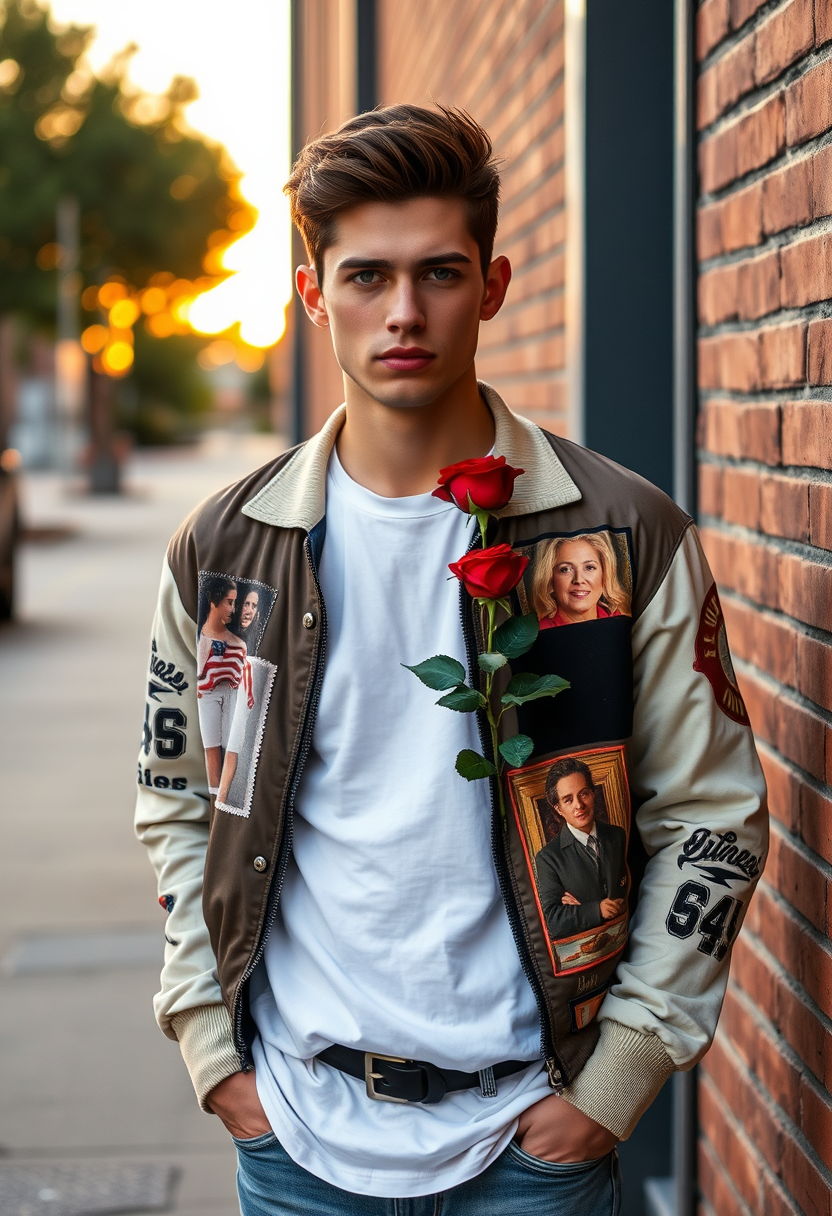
{"x": 144, "y": 278}
{"x": 87, "y": 1082}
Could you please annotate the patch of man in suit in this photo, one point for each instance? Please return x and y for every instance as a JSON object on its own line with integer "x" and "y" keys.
{"x": 582, "y": 872}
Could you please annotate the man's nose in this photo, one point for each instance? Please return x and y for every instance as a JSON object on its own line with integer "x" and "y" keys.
{"x": 406, "y": 312}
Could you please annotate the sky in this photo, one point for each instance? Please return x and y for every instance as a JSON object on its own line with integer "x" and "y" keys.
{"x": 239, "y": 54}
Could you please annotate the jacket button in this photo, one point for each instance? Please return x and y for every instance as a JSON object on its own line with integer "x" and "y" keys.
{"x": 308, "y": 620}
{"x": 260, "y": 864}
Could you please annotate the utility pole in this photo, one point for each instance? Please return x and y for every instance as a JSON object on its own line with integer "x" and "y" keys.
{"x": 70, "y": 360}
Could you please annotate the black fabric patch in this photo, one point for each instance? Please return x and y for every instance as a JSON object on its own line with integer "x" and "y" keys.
{"x": 596, "y": 658}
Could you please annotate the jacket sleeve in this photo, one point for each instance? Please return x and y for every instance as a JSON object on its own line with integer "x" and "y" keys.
{"x": 172, "y": 821}
{"x": 693, "y": 768}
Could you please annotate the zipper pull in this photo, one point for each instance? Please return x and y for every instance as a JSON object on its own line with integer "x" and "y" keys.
{"x": 555, "y": 1076}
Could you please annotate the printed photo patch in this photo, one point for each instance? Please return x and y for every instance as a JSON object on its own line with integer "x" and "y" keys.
{"x": 573, "y": 815}
{"x": 233, "y": 684}
{"x": 713, "y": 659}
{"x": 578, "y": 578}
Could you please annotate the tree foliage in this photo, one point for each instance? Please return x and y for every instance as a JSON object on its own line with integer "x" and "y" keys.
{"x": 152, "y": 198}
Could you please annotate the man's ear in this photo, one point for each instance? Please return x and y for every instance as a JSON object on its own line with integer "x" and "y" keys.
{"x": 306, "y": 281}
{"x": 497, "y": 280}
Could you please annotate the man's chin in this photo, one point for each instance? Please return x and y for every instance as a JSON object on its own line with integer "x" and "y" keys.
{"x": 411, "y": 391}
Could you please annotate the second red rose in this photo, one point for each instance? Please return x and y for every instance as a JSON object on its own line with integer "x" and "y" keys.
{"x": 488, "y": 480}
{"x": 490, "y": 574}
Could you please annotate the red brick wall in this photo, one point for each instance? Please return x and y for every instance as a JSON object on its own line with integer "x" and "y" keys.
{"x": 765, "y": 376}
{"x": 502, "y": 62}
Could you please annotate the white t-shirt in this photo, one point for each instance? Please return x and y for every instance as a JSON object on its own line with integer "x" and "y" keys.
{"x": 392, "y": 935}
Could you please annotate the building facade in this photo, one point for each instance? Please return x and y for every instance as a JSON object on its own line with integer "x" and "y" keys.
{"x": 667, "y": 207}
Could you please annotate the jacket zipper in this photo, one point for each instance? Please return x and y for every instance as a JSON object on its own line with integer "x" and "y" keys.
{"x": 310, "y": 711}
{"x": 554, "y": 1066}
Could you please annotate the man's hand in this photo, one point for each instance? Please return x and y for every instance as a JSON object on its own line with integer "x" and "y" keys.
{"x": 554, "y": 1130}
{"x": 236, "y": 1102}
{"x": 611, "y": 908}
{"x": 571, "y": 900}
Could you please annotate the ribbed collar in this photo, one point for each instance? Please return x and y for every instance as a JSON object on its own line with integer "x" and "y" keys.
{"x": 296, "y": 495}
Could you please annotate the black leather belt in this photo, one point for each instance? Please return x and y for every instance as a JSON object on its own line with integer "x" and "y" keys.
{"x": 395, "y": 1079}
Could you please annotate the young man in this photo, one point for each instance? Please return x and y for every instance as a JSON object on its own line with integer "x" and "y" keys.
{"x": 359, "y": 972}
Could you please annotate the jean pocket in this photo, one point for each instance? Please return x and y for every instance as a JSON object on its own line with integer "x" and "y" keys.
{"x": 562, "y": 1169}
{"x": 251, "y": 1143}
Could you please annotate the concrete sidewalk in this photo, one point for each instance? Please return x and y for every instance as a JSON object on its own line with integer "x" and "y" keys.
{"x": 86, "y": 1077}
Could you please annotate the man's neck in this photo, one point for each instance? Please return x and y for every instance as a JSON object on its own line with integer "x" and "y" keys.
{"x": 397, "y": 451}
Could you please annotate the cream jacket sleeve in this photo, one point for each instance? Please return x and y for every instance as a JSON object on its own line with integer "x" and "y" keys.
{"x": 693, "y": 768}
{"x": 172, "y": 821}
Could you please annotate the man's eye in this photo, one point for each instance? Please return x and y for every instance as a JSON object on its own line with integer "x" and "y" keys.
{"x": 365, "y": 277}
{"x": 442, "y": 273}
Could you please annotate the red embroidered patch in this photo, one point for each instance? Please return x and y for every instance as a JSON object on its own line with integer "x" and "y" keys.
{"x": 713, "y": 659}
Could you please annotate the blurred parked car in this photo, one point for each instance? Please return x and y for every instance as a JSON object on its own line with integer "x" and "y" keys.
{"x": 9, "y": 529}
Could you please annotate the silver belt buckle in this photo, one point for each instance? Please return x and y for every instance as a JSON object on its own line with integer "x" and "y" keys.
{"x": 371, "y": 1077}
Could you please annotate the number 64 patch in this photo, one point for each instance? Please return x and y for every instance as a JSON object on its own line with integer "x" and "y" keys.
{"x": 717, "y": 929}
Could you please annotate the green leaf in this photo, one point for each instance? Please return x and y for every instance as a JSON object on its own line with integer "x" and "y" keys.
{"x": 463, "y": 700}
{"x": 492, "y": 661}
{"x": 472, "y": 766}
{"x": 517, "y": 635}
{"x": 516, "y": 750}
{"x": 439, "y": 672}
{"x": 528, "y": 687}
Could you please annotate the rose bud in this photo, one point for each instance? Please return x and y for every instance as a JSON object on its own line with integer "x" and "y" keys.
{"x": 489, "y": 574}
{"x": 489, "y": 481}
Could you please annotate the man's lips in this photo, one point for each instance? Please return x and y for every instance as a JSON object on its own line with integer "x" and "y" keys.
{"x": 406, "y": 359}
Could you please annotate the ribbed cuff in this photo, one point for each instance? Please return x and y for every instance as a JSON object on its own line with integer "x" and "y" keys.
{"x": 621, "y": 1077}
{"x": 206, "y": 1041}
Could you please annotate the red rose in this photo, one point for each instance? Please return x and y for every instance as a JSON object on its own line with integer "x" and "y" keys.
{"x": 489, "y": 481}
{"x": 489, "y": 574}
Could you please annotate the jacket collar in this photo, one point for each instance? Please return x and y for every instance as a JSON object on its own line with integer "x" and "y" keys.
{"x": 296, "y": 495}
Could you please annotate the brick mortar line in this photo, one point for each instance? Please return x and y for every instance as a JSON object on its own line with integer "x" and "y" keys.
{"x": 817, "y": 310}
{"x": 543, "y": 297}
{"x": 795, "y": 771}
{"x": 786, "y": 238}
{"x": 799, "y": 394}
{"x": 531, "y": 225}
{"x": 538, "y": 183}
{"x": 790, "y": 154}
{"x": 794, "y": 548}
{"x": 794, "y": 695}
{"x": 774, "y": 1180}
{"x": 721, "y": 1166}
{"x": 797, "y": 990}
{"x": 764, "y": 92}
{"x": 516, "y": 127}
{"x": 486, "y": 88}
{"x": 811, "y": 631}
{"x": 784, "y": 1047}
{"x": 790, "y": 472}
{"x": 532, "y": 264}
{"x": 805, "y": 926}
{"x": 734, "y": 37}
{"x": 550, "y": 376}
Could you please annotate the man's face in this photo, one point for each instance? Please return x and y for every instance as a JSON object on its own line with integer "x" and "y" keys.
{"x": 404, "y": 294}
{"x": 576, "y": 802}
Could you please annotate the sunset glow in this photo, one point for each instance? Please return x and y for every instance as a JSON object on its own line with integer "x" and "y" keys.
{"x": 239, "y": 57}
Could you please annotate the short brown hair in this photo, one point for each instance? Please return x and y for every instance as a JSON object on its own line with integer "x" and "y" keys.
{"x": 392, "y": 155}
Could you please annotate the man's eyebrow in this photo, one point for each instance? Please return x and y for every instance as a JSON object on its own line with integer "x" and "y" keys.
{"x": 439, "y": 259}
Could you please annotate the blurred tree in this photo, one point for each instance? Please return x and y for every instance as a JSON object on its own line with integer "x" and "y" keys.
{"x": 153, "y": 198}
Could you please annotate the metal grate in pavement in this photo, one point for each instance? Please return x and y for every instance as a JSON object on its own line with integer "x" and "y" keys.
{"x": 86, "y": 1188}
{"x": 91, "y": 951}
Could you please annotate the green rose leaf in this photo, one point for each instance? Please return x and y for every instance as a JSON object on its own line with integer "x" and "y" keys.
{"x": 439, "y": 672}
{"x": 472, "y": 766}
{"x": 528, "y": 687}
{"x": 516, "y": 635}
{"x": 463, "y": 700}
{"x": 492, "y": 661}
{"x": 516, "y": 750}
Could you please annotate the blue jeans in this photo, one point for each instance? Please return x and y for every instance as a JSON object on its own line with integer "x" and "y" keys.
{"x": 270, "y": 1184}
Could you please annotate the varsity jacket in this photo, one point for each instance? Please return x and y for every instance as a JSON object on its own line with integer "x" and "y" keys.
{"x": 653, "y": 713}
